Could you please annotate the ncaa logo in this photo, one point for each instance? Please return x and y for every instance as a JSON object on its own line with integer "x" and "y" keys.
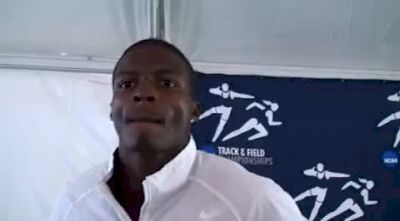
{"x": 390, "y": 158}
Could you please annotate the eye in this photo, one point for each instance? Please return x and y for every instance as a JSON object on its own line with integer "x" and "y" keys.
{"x": 124, "y": 85}
{"x": 168, "y": 83}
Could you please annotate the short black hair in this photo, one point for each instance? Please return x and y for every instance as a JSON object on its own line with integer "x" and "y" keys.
{"x": 162, "y": 43}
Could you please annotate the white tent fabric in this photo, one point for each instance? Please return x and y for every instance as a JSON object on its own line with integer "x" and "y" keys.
{"x": 344, "y": 34}
{"x": 339, "y": 38}
{"x": 54, "y": 126}
{"x": 90, "y": 28}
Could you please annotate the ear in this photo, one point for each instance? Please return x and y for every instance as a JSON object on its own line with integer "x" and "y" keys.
{"x": 111, "y": 114}
{"x": 196, "y": 111}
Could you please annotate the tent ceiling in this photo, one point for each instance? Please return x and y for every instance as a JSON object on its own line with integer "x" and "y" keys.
{"x": 98, "y": 28}
{"x": 353, "y": 34}
{"x": 346, "y": 34}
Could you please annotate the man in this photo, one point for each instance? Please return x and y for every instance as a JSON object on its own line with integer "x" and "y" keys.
{"x": 156, "y": 173}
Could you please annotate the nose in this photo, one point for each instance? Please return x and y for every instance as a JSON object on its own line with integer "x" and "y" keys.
{"x": 137, "y": 97}
{"x": 144, "y": 92}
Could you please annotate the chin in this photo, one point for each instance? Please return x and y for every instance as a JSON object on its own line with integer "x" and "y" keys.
{"x": 144, "y": 144}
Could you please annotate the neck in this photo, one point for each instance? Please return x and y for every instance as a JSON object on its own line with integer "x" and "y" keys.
{"x": 136, "y": 166}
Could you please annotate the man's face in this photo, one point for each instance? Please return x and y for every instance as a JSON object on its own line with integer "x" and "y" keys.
{"x": 152, "y": 106}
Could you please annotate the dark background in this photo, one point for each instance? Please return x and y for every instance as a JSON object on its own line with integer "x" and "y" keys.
{"x": 329, "y": 121}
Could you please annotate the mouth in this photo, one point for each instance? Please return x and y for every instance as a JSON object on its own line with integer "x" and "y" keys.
{"x": 144, "y": 120}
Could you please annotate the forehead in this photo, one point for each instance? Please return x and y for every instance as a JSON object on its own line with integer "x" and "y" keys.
{"x": 150, "y": 58}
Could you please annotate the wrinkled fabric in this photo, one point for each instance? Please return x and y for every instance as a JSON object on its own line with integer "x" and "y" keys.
{"x": 193, "y": 186}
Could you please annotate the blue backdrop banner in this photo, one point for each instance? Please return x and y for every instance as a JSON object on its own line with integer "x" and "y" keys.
{"x": 332, "y": 144}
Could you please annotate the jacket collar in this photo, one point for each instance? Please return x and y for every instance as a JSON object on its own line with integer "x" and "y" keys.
{"x": 172, "y": 175}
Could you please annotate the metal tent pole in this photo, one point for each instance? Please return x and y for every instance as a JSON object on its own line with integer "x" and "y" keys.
{"x": 157, "y": 19}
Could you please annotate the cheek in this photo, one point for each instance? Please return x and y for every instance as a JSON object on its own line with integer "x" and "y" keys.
{"x": 116, "y": 110}
{"x": 181, "y": 114}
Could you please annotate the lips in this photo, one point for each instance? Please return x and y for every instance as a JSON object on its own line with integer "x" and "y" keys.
{"x": 151, "y": 120}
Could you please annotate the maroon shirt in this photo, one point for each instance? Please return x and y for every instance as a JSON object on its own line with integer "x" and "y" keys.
{"x": 130, "y": 200}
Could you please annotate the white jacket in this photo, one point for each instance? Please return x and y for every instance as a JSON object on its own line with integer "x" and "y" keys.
{"x": 194, "y": 186}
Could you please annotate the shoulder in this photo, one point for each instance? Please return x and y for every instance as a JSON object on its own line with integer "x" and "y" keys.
{"x": 87, "y": 180}
{"x": 273, "y": 202}
{"x": 213, "y": 164}
{"x": 77, "y": 190}
{"x": 219, "y": 171}
{"x": 253, "y": 196}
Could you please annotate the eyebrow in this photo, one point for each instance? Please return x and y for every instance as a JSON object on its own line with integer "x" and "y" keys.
{"x": 163, "y": 71}
{"x": 166, "y": 71}
{"x": 126, "y": 73}
{"x": 120, "y": 76}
